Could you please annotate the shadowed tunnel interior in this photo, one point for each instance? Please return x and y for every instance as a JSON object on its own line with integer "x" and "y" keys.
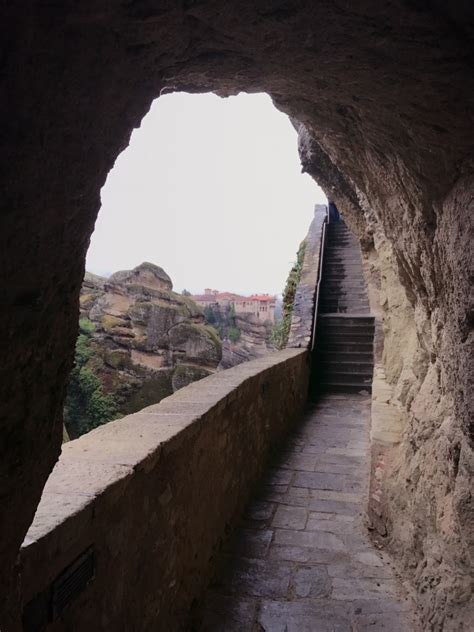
{"x": 382, "y": 95}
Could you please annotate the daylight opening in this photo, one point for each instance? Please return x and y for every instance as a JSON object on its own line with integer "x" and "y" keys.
{"x": 206, "y": 210}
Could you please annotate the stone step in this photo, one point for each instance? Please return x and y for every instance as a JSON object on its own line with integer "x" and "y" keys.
{"x": 350, "y": 319}
{"x": 342, "y": 260}
{"x": 343, "y": 277}
{"x": 342, "y": 268}
{"x": 340, "y": 234}
{"x": 342, "y": 288}
{"x": 342, "y": 244}
{"x": 345, "y": 347}
{"x": 343, "y": 296}
{"x": 343, "y": 291}
{"x": 340, "y": 225}
{"x": 331, "y": 309}
{"x": 345, "y": 307}
{"x": 345, "y": 301}
{"x": 345, "y": 245}
{"x": 342, "y": 284}
{"x": 335, "y": 241}
{"x": 342, "y": 249}
{"x": 351, "y": 357}
{"x": 346, "y": 330}
{"x": 338, "y": 237}
{"x": 337, "y": 267}
{"x": 333, "y": 326}
{"x": 346, "y": 376}
{"x": 351, "y": 276}
{"x": 342, "y": 253}
{"x": 346, "y": 338}
{"x": 357, "y": 284}
{"x": 337, "y": 264}
{"x": 328, "y": 367}
{"x": 343, "y": 387}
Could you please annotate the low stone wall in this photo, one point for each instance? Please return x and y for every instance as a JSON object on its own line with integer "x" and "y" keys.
{"x": 301, "y": 328}
{"x": 149, "y": 499}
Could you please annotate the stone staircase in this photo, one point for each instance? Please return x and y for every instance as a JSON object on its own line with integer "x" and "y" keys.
{"x": 343, "y": 355}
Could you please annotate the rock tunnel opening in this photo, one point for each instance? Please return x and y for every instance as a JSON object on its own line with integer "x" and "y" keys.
{"x": 202, "y": 195}
{"x": 383, "y": 96}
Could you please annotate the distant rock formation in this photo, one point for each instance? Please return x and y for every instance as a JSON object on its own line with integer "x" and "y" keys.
{"x": 254, "y": 341}
{"x": 148, "y": 341}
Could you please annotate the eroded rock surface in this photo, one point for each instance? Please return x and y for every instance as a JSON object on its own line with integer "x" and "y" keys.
{"x": 254, "y": 341}
{"x": 422, "y": 461}
{"x": 148, "y": 341}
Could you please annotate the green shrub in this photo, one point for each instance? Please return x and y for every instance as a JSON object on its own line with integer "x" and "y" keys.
{"x": 86, "y": 326}
{"x": 234, "y": 334}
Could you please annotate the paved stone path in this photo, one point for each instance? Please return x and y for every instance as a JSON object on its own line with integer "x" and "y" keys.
{"x": 302, "y": 560}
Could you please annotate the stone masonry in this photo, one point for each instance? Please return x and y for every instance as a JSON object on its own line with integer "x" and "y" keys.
{"x": 155, "y": 495}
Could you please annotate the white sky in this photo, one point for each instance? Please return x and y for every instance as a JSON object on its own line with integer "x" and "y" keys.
{"x": 211, "y": 190}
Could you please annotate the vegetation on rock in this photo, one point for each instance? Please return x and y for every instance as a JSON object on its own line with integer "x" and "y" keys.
{"x": 135, "y": 332}
{"x": 223, "y": 321}
{"x": 281, "y": 329}
{"x": 87, "y": 405}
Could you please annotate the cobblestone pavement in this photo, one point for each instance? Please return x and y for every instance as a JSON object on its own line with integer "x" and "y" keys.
{"x": 302, "y": 561}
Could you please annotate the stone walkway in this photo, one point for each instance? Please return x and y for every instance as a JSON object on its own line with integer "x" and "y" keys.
{"x": 302, "y": 560}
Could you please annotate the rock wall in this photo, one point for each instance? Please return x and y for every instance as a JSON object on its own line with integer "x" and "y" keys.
{"x": 148, "y": 341}
{"x": 422, "y": 459}
{"x": 301, "y": 328}
{"x": 385, "y": 92}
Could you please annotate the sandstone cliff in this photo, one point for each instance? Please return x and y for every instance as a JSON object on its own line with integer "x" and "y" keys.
{"x": 146, "y": 340}
{"x": 254, "y": 341}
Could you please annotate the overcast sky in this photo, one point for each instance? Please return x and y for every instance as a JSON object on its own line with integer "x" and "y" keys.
{"x": 211, "y": 190}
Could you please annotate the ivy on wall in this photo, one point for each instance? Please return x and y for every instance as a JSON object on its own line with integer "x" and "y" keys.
{"x": 281, "y": 330}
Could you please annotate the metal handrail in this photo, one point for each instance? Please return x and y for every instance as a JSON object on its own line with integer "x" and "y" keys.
{"x": 320, "y": 275}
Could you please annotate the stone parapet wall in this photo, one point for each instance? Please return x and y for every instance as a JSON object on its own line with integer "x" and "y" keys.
{"x": 154, "y": 495}
{"x": 301, "y": 328}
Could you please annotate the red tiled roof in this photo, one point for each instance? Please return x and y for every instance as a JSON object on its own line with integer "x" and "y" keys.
{"x": 222, "y": 296}
{"x": 213, "y": 298}
{"x": 204, "y": 297}
{"x": 262, "y": 297}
